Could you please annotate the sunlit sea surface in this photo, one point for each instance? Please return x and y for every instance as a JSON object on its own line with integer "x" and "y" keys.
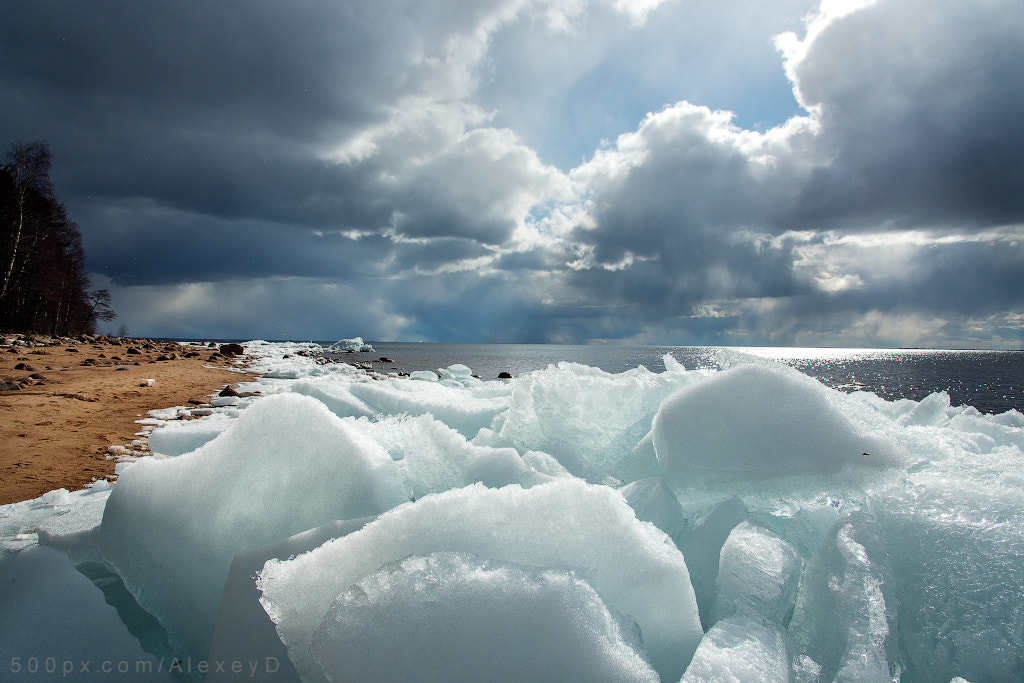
{"x": 991, "y": 381}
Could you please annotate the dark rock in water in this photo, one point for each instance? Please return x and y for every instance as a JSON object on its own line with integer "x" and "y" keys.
{"x": 504, "y": 375}
{"x": 385, "y": 359}
{"x": 232, "y": 350}
{"x": 228, "y": 391}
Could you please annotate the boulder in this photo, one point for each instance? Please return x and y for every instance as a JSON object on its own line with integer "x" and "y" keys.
{"x": 232, "y": 350}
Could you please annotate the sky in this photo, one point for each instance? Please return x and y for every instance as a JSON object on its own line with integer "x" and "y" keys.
{"x": 688, "y": 172}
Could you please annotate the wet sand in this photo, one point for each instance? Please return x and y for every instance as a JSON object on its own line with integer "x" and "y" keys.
{"x": 55, "y": 433}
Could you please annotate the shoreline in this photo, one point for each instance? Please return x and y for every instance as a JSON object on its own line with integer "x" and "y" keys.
{"x": 82, "y": 395}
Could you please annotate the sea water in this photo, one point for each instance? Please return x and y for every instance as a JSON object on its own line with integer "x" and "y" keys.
{"x": 991, "y": 381}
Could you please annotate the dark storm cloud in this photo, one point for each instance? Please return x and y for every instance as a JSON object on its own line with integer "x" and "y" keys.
{"x": 914, "y": 126}
{"x": 215, "y": 104}
{"x": 959, "y": 278}
{"x": 214, "y": 107}
{"x": 920, "y": 107}
{"x": 428, "y": 255}
{"x": 918, "y": 124}
{"x": 396, "y": 153}
{"x": 218, "y": 64}
{"x": 201, "y": 133}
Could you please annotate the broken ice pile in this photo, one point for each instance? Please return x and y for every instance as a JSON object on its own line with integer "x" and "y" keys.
{"x": 743, "y": 524}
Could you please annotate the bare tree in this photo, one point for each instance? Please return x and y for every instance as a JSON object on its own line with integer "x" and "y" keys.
{"x": 100, "y": 308}
{"x": 28, "y": 166}
{"x": 44, "y": 281}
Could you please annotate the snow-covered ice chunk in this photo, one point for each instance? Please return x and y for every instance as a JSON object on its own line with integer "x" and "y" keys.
{"x": 701, "y": 540}
{"x": 355, "y": 344}
{"x": 176, "y": 438}
{"x": 452, "y": 617}
{"x": 424, "y": 375}
{"x": 55, "y": 621}
{"x": 570, "y": 458}
{"x": 655, "y": 503}
{"x": 335, "y": 396}
{"x": 955, "y": 549}
{"x": 244, "y": 632}
{"x": 458, "y": 374}
{"x": 172, "y": 526}
{"x": 283, "y": 373}
{"x": 932, "y": 411}
{"x": 742, "y": 649}
{"x": 806, "y": 670}
{"x": 754, "y": 422}
{"x": 758, "y": 573}
{"x": 640, "y": 463}
{"x": 76, "y": 531}
{"x": 809, "y": 527}
{"x": 565, "y": 524}
{"x": 842, "y": 618}
{"x": 460, "y": 408}
{"x": 433, "y": 457}
{"x": 601, "y": 415}
{"x": 65, "y": 520}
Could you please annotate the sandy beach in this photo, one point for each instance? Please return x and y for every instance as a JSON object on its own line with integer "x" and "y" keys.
{"x": 82, "y": 396}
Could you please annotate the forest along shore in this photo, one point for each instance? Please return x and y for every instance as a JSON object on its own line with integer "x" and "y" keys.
{"x": 65, "y": 401}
